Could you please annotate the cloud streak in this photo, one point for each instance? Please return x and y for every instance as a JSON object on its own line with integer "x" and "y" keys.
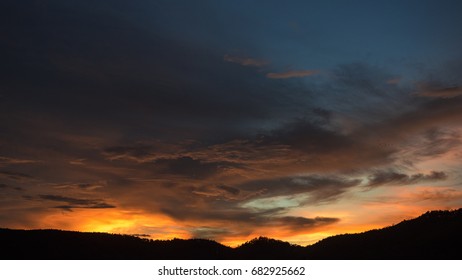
{"x": 394, "y": 178}
{"x": 291, "y": 74}
{"x": 10, "y": 161}
{"x": 73, "y": 203}
{"x": 439, "y": 91}
{"x": 245, "y": 61}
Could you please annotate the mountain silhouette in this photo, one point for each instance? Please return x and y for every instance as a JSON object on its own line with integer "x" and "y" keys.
{"x": 264, "y": 248}
{"x": 58, "y": 244}
{"x": 435, "y": 235}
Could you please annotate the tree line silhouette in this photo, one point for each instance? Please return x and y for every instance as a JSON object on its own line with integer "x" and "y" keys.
{"x": 434, "y": 235}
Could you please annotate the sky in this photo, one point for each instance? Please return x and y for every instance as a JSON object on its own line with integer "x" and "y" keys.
{"x": 228, "y": 120}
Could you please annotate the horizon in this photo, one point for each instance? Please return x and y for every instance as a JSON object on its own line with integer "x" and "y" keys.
{"x": 229, "y": 120}
{"x": 234, "y": 244}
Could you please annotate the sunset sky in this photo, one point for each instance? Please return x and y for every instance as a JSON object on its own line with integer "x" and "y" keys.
{"x": 228, "y": 120}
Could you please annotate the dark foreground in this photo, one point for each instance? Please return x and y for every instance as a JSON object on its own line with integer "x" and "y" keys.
{"x": 436, "y": 235}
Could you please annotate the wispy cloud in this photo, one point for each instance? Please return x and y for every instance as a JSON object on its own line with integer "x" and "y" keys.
{"x": 292, "y": 74}
{"x": 245, "y": 61}
{"x": 9, "y": 160}
{"x": 394, "y": 81}
{"x": 302, "y": 223}
{"x": 17, "y": 176}
{"x": 395, "y": 178}
{"x": 72, "y": 203}
{"x": 439, "y": 92}
{"x": 81, "y": 186}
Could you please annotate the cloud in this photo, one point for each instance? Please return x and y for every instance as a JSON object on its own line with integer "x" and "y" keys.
{"x": 389, "y": 177}
{"x": 298, "y": 224}
{"x": 230, "y": 190}
{"x": 79, "y": 161}
{"x": 435, "y": 142}
{"x": 292, "y": 74}
{"x": 439, "y": 91}
{"x": 320, "y": 188}
{"x": 8, "y": 160}
{"x": 201, "y": 209}
{"x": 361, "y": 93}
{"x": 81, "y": 186}
{"x": 190, "y": 167}
{"x": 394, "y": 81}
{"x": 436, "y": 195}
{"x": 309, "y": 189}
{"x": 301, "y": 146}
{"x": 445, "y": 194}
{"x": 429, "y": 120}
{"x": 221, "y": 192}
{"x": 304, "y": 146}
{"x": 307, "y": 135}
{"x": 5, "y": 186}
{"x": 217, "y": 219}
{"x": 138, "y": 153}
{"x": 245, "y": 61}
{"x": 17, "y": 176}
{"x": 292, "y": 224}
{"x": 76, "y": 202}
{"x": 146, "y": 151}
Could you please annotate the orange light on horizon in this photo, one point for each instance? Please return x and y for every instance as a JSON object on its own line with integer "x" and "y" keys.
{"x": 354, "y": 217}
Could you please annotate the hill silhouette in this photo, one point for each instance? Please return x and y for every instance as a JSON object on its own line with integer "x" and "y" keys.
{"x": 58, "y": 244}
{"x": 264, "y": 248}
{"x": 434, "y": 235}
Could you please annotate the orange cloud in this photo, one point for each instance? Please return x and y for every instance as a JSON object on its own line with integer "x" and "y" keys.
{"x": 176, "y": 189}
